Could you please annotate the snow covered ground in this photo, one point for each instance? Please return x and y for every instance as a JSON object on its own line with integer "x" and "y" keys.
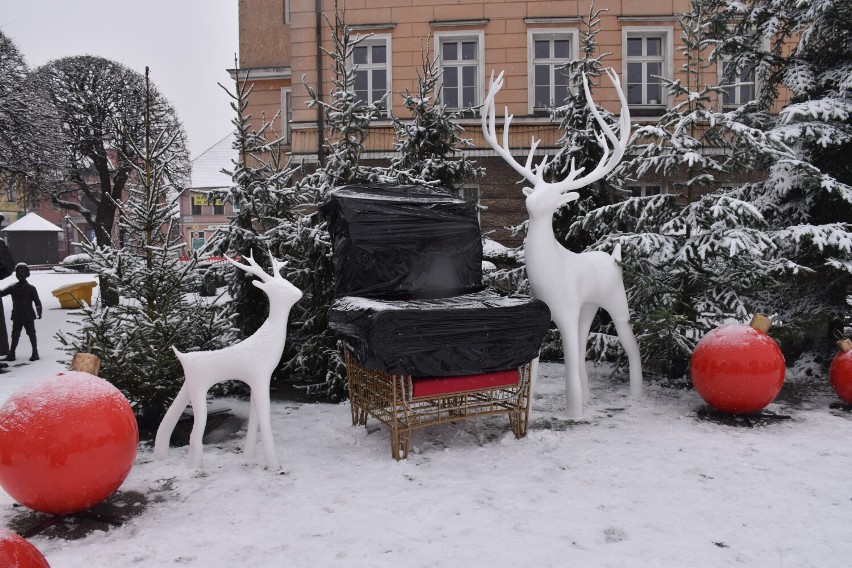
{"x": 641, "y": 483}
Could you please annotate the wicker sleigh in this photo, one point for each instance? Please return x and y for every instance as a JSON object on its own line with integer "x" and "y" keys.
{"x": 426, "y": 342}
{"x": 388, "y": 398}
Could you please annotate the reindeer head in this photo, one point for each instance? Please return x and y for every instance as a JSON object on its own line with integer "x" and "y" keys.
{"x": 544, "y": 198}
{"x": 276, "y": 287}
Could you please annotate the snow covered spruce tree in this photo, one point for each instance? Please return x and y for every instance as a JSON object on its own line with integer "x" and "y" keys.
{"x": 263, "y": 197}
{"x": 312, "y": 355}
{"x": 100, "y": 106}
{"x": 697, "y": 255}
{"x": 133, "y": 338}
{"x": 801, "y": 54}
{"x": 578, "y": 126}
{"x": 429, "y": 143}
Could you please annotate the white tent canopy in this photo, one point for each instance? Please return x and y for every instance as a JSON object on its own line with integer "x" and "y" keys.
{"x": 32, "y": 222}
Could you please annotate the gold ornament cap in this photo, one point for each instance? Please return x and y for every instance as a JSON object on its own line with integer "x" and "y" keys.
{"x": 761, "y": 323}
{"x": 845, "y": 345}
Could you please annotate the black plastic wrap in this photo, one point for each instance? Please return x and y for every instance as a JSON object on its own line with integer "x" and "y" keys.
{"x": 473, "y": 333}
{"x": 402, "y": 242}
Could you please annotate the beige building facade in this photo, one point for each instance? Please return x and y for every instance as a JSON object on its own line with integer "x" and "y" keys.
{"x": 281, "y": 44}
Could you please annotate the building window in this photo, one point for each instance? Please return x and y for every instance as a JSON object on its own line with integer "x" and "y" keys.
{"x": 197, "y": 202}
{"x": 286, "y": 114}
{"x": 371, "y": 59}
{"x": 645, "y": 190}
{"x": 462, "y": 66}
{"x": 737, "y": 87}
{"x": 548, "y": 52}
{"x": 218, "y": 207}
{"x": 647, "y": 58}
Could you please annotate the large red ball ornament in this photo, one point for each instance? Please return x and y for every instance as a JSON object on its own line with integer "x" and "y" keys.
{"x": 17, "y": 552}
{"x": 737, "y": 368}
{"x": 67, "y": 442}
{"x": 840, "y": 372}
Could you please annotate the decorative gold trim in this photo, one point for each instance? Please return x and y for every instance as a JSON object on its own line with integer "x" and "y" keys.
{"x": 387, "y": 398}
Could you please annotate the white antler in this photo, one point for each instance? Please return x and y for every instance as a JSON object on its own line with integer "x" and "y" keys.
{"x": 535, "y": 174}
{"x": 255, "y": 269}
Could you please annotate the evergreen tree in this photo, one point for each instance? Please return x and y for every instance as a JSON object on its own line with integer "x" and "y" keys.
{"x": 263, "y": 196}
{"x": 578, "y": 141}
{"x": 803, "y": 48}
{"x": 313, "y": 354}
{"x": 429, "y": 144}
{"x": 699, "y": 255}
{"x": 134, "y": 337}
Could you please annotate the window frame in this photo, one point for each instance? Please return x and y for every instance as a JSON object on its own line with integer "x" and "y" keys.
{"x": 193, "y": 204}
{"x": 643, "y": 189}
{"x": 387, "y": 67}
{"x": 736, "y": 87}
{"x": 459, "y": 36}
{"x": 666, "y": 33}
{"x": 533, "y": 34}
{"x": 286, "y": 113}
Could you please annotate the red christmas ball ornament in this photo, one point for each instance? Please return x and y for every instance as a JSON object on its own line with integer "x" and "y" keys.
{"x": 67, "y": 442}
{"x": 738, "y": 368}
{"x": 17, "y": 552}
{"x": 840, "y": 372}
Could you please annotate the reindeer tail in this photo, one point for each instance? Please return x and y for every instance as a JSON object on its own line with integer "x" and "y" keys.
{"x": 616, "y": 253}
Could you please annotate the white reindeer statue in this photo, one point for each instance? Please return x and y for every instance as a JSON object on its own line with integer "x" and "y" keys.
{"x": 573, "y": 285}
{"x": 251, "y": 361}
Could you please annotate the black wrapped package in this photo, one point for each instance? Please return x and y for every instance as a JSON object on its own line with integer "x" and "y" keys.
{"x": 479, "y": 332}
{"x": 402, "y": 242}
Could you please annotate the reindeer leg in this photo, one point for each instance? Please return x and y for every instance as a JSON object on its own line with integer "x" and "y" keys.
{"x": 634, "y": 358}
{"x": 250, "y": 449}
{"x": 198, "y": 396}
{"x": 263, "y": 416}
{"x": 587, "y": 315}
{"x": 170, "y": 420}
{"x": 570, "y": 346}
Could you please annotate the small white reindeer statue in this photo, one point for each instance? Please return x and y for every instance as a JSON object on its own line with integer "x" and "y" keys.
{"x": 573, "y": 285}
{"x": 252, "y": 361}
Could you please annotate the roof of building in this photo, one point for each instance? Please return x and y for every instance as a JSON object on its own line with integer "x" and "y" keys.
{"x": 207, "y": 166}
{"x": 32, "y": 222}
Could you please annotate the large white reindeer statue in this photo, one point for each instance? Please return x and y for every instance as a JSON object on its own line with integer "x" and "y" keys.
{"x": 573, "y": 285}
{"x": 251, "y": 361}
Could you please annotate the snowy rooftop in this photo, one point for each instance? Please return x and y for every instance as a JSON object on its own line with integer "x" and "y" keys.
{"x": 207, "y": 166}
{"x": 32, "y": 222}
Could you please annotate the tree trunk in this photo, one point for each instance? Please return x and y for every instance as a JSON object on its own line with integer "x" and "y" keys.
{"x": 109, "y": 292}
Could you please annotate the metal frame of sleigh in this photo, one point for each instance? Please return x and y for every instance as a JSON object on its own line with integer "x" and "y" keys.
{"x": 426, "y": 342}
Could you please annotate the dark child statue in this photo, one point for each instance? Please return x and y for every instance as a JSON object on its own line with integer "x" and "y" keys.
{"x": 24, "y": 297}
{"x": 7, "y": 268}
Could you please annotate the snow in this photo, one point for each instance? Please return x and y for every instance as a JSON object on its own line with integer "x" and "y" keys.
{"x": 636, "y": 483}
{"x": 207, "y": 167}
{"x": 32, "y": 222}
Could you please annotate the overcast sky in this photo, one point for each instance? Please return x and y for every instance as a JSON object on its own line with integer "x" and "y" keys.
{"x": 188, "y": 45}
